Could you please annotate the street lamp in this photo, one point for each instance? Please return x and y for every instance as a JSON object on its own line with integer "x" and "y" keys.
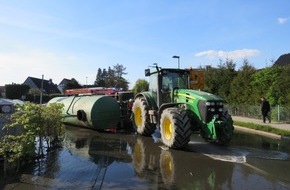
{"x": 176, "y": 57}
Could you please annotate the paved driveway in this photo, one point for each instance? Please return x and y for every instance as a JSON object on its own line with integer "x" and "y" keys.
{"x": 275, "y": 124}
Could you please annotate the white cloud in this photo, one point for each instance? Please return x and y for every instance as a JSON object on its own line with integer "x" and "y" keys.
{"x": 16, "y": 67}
{"x": 236, "y": 54}
{"x": 283, "y": 20}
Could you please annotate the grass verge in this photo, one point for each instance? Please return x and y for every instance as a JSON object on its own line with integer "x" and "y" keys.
{"x": 265, "y": 128}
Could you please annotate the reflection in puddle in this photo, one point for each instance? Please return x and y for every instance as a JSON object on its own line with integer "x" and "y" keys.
{"x": 145, "y": 162}
{"x": 92, "y": 160}
{"x": 167, "y": 167}
{"x": 139, "y": 157}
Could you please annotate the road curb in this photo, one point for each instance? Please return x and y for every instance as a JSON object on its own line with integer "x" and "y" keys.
{"x": 263, "y": 133}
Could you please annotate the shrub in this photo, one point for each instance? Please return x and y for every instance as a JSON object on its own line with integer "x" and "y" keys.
{"x": 41, "y": 128}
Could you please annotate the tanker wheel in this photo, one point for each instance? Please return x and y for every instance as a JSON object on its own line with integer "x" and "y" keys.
{"x": 141, "y": 120}
{"x": 175, "y": 128}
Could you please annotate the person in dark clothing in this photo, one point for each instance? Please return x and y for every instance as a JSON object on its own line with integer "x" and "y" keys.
{"x": 265, "y": 110}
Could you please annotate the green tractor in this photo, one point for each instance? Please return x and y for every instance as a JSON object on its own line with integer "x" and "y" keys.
{"x": 177, "y": 111}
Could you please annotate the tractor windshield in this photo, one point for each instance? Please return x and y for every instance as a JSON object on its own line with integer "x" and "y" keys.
{"x": 173, "y": 80}
{"x": 163, "y": 82}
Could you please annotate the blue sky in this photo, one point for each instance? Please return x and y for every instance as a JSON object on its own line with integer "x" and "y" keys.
{"x": 72, "y": 39}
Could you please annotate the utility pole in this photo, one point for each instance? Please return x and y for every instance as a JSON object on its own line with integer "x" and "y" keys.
{"x": 41, "y": 90}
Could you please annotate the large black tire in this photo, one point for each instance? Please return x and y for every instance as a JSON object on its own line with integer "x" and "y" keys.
{"x": 175, "y": 128}
{"x": 225, "y": 133}
{"x": 141, "y": 120}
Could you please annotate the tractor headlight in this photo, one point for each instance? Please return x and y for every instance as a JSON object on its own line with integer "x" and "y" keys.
{"x": 210, "y": 103}
{"x": 220, "y": 109}
{"x": 212, "y": 109}
{"x": 220, "y": 103}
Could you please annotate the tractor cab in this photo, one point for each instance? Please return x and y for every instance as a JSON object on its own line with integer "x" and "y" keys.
{"x": 163, "y": 82}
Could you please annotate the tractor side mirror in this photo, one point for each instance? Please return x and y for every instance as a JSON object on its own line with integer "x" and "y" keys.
{"x": 147, "y": 72}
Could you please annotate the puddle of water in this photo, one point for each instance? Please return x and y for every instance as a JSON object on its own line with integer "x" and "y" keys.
{"x": 226, "y": 158}
{"x": 92, "y": 160}
{"x": 241, "y": 154}
{"x": 244, "y": 146}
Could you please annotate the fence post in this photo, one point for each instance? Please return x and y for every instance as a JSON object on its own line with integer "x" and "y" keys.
{"x": 278, "y": 112}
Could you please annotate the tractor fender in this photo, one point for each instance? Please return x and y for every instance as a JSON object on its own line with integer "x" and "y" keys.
{"x": 167, "y": 105}
{"x": 151, "y": 106}
{"x": 149, "y": 99}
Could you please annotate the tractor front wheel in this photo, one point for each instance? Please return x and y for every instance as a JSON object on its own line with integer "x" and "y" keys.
{"x": 225, "y": 132}
{"x": 141, "y": 120}
{"x": 175, "y": 128}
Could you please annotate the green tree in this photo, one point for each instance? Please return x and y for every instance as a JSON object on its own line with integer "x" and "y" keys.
{"x": 111, "y": 80}
{"x": 240, "y": 91}
{"x": 279, "y": 91}
{"x": 262, "y": 82}
{"x": 119, "y": 71}
{"x": 226, "y": 75}
{"x": 122, "y": 84}
{"x": 211, "y": 80}
{"x": 218, "y": 80}
{"x": 72, "y": 84}
{"x": 100, "y": 82}
{"x": 248, "y": 85}
{"x": 104, "y": 77}
{"x": 16, "y": 91}
{"x": 140, "y": 86}
{"x": 112, "y": 77}
{"x": 38, "y": 122}
{"x": 34, "y": 95}
{"x": 34, "y": 91}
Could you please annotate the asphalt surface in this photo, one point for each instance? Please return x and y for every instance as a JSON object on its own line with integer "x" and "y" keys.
{"x": 274, "y": 124}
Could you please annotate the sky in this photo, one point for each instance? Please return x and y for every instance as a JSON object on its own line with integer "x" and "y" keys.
{"x": 69, "y": 39}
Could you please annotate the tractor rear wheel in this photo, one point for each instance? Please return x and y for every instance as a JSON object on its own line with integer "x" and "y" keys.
{"x": 175, "y": 128}
{"x": 141, "y": 120}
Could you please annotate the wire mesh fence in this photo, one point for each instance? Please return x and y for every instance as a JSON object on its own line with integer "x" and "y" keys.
{"x": 278, "y": 113}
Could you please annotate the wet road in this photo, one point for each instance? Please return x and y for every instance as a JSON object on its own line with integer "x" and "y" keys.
{"x": 92, "y": 160}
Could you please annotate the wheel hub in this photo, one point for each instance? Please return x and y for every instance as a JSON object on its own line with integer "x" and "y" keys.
{"x": 168, "y": 128}
{"x": 138, "y": 116}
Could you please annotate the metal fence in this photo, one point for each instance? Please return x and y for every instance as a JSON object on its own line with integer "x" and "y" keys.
{"x": 278, "y": 113}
